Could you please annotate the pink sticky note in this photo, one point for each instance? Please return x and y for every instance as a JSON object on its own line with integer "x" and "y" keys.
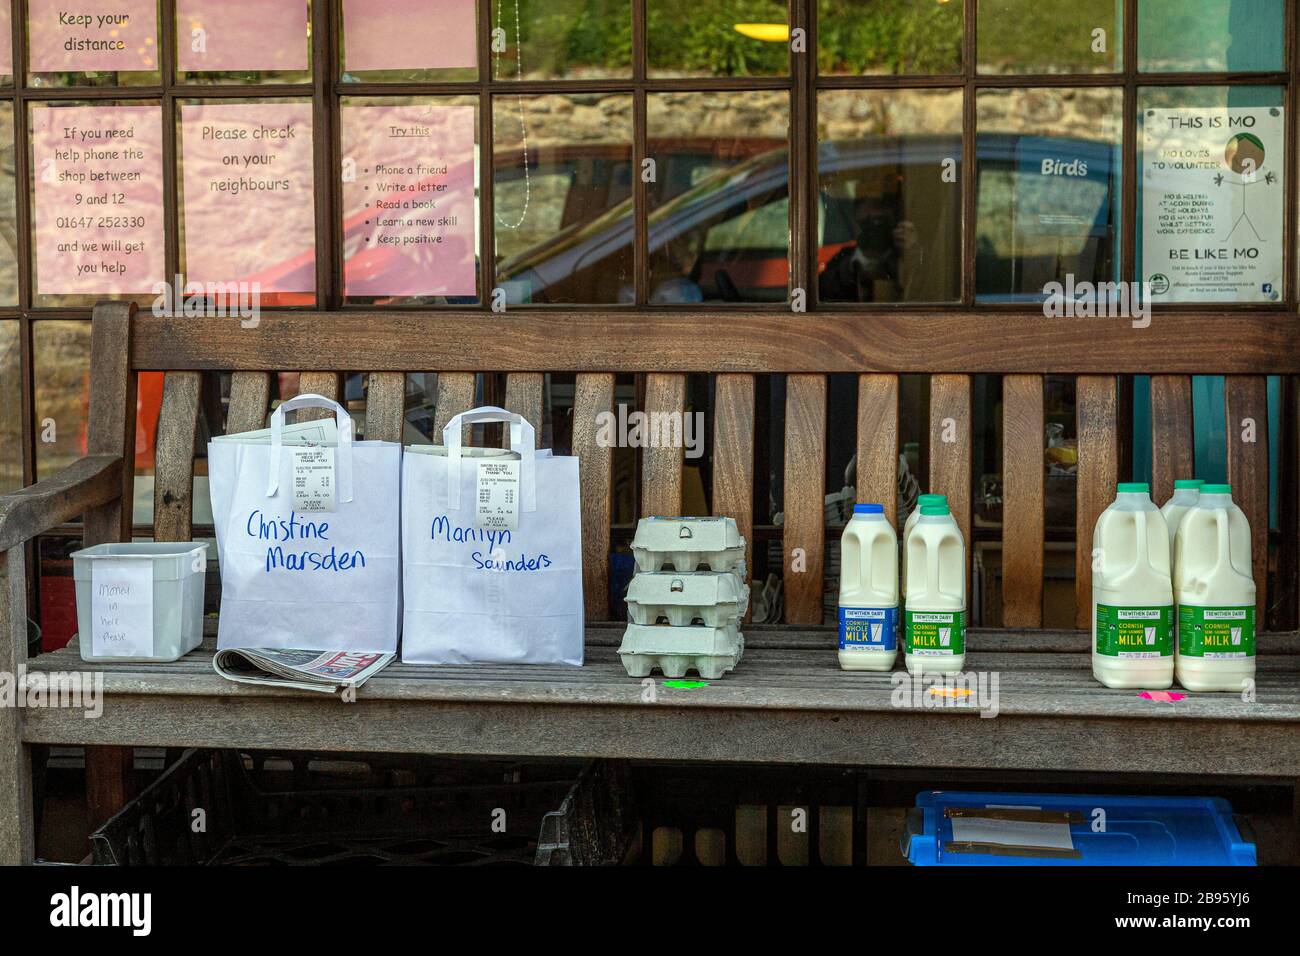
{"x": 98, "y": 192}
{"x": 249, "y": 194}
{"x": 93, "y": 35}
{"x": 1163, "y": 696}
{"x": 215, "y": 35}
{"x": 408, "y": 34}
{"x": 6, "y": 38}
{"x": 408, "y": 194}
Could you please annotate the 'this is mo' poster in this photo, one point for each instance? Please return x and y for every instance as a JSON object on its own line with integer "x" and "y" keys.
{"x": 1212, "y": 204}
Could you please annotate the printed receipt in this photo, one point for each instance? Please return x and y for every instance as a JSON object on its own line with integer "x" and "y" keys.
{"x": 313, "y": 479}
{"x": 497, "y": 496}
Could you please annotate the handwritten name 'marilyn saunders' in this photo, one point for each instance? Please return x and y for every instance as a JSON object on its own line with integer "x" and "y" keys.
{"x": 286, "y": 530}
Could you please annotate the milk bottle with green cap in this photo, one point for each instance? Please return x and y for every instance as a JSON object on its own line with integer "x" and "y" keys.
{"x": 1215, "y": 590}
{"x": 914, "y": 517}
{"x": 1132, "y": 594}
{"x": 934, "y": 613}
{"x": 1186, "y": 491}
{"x": 868, "y": 611}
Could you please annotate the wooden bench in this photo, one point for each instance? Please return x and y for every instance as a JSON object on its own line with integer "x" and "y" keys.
{"x": 788, "y": 702}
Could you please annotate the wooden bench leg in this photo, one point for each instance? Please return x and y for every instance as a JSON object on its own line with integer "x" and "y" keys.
{"x": 110, "y": 775}
{"x": 17, "y": 836}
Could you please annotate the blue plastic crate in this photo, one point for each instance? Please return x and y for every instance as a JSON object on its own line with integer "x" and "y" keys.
{"x": 1137, "y": 831}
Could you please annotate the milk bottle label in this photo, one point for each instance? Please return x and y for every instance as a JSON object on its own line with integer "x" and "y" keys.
{"x": 1135, "y": 633}
{"x": 868, "y": 628}
{"x": 1216, "y": 633}
{"x": 935, "y": 633}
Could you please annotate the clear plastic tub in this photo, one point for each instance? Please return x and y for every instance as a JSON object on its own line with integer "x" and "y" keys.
{"x": 178, "y": 573}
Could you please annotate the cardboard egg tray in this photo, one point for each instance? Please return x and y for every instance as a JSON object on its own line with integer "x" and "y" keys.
{"x": 682, "y": 599}
{"x": 675, "y": 651}
{"x": 688, "y": 544}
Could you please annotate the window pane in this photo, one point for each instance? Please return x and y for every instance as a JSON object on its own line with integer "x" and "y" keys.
{"x": 61, "y": 376}
{"x": 248, "y": 210}
{"x": 11, "y": 407}
{"x": 719, "y": 226}
{"x": 717, "y": 38}
{"x": 92, "y": 43}
{"x": 97, "y": 190}
{"x": 562, "y": 187}
{"x": 1212, "y": 163}
{"x": 1050, "y": 36}
{"x": 410, "y": 200}
{"x": 1175, "y": 36}
{"x": 409, "y": 40}
{"x": 1048, "y": 180}
{"x": 6, "y": 44}
{"x": 889, "y": 209}
{"x": 570, "y": 39}
{"x": 889, "y": 36}
{"x": 9, "y": 250}
{"x": 243, "y": 41}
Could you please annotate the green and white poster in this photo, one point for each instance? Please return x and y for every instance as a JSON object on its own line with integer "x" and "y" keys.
{"x": 1212, "y": 204}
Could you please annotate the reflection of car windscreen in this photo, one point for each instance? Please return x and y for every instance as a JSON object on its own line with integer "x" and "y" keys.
{"x": 1062, "y": 196}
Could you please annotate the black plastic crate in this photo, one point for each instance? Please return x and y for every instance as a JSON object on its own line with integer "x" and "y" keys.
{"x": 224, "y": 808}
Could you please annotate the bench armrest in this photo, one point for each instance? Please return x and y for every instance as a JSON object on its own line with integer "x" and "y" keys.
{"x": 86, "y": 483}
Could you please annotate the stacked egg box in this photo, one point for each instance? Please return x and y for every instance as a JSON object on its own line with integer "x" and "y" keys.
{"x": 690, "y": 574}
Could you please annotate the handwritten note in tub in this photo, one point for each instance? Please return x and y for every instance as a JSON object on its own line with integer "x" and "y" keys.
{"x": 121, "y": 608}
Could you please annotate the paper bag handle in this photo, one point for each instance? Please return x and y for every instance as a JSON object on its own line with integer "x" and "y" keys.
{"x": 523, "y": 441}
{"x": 342, "y": 461}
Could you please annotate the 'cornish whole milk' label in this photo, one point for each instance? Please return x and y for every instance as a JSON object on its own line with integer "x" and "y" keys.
{"x": 934, "y": 633}
{"x": 868, "y": 628}
{"x": 1216, "y": 633}
{"x": 1135, "y": 633}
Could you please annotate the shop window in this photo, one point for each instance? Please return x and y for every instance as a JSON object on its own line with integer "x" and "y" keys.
{"x": 93, "y": 43}
{"x": 11, "y": 407}
{"x": 409, "y": 40}
{"x": 718, "y": 38}
{"x": 563, "y": 216}
{"x": 410, "y": 200}
{"x": 249, "y": 198}
{"x": 1212, "y": 192}
{"x": 561, "y": 39}
{"x": 889, "y": 195}
{"x": 719, "y": 227}
{"x": 1175, "y": 36}
{"x": 243, "y": 41}
{"x": 9, "y": 247}
{"x": 1048, "y": 187}
{"x": 97, "y": 197}
{"x": 6, "y": 44}
{"x": 856, "y": 37}
{"x": 1050, "y": 36}
{"x": 61, "y": 376}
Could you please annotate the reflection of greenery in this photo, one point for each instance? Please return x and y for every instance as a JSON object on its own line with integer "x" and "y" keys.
{"x": 889, "y": 36}
{"x": 1031, "y": 36}
{"x": 560, "y": 38}
{"x": 691, "y": 36}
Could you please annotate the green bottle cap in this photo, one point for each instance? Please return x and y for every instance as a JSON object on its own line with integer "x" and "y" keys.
{"x": 935, "y": 510}
{"x": 1134, "y": 488}
{"x": 1188, "y": 483}
{"x": 929, "y": 499}
{"x": 1216, "y": 489}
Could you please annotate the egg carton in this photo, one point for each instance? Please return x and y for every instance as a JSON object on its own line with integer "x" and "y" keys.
{"x": 688, "y": 543}
{"x": 709, "y": 651}
{"x": 715, "y": 599}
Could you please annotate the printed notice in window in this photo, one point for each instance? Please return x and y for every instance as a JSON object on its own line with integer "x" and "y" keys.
{"x": 249, "y": 197}
{"x": 408, "y": 35}
{"x": 239, "y": 35}
{"x": 408, "y": 188}
{"x": 93, "y": 36}
{"x": 98, "y": 193}
{"x": 1212, "y": 204}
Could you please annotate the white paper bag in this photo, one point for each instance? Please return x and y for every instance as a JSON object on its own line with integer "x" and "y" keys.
{"x": 474, "y": 593}
{"x": 320, "y": 580}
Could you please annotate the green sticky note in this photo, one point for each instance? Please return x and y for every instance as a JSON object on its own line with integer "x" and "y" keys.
{"x": 686, "y": 684}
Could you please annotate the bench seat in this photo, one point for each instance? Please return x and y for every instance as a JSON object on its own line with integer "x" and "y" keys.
{"x": 787, "y": 702}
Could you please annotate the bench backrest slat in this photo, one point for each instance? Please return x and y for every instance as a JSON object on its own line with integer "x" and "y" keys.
{"x": 385, "y": 406}
{"x": 733, "y": 455}
{"x": 1246, "y": 422}
{"x": 661, "y": 461}
{"x": 804, "y": 497}
{"x": 1095, "y": 406}
{"x": 455, "y": 395}
{"x": 173, "y": 499}
{"x": 250, "y": 397}
{"x": 1022, "y": 500}
{"x": 877, "y": 443}
{"x": 526, "y": 396}
{"x": 1171, "y": 434}
{"x": 950, "y": 448}
{"x": 110, "y": 419}
{"x": 328, "y": 384}
{"x": 594, "y": 395}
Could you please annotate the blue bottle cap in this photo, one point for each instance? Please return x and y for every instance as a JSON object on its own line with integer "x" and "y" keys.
{"x": 868, "y": 509}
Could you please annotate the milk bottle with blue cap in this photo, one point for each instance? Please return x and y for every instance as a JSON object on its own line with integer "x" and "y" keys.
{"x": 1132, "y": 593}
{"x": 1215, "y": 589}
{"x": 868, "y": 612}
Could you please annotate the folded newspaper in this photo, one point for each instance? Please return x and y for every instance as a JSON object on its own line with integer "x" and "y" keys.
{"x": 324, "y": 671}
{"x": 322, "y": 431}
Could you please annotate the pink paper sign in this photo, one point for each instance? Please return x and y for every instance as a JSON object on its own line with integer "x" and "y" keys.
{"x": 249, "y": 194}
{"x": 93, "y": 35}
{"x": 408, "y": 194}
{"x": 6, "y": 38}
{"x": 216, "y": 35}
{"x": 408, "y": 34}
{"x": 99, "y": 209}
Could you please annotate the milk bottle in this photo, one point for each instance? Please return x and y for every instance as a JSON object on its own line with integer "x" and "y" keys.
{"x": 1132, "y": 594}
{"x": 914, "y": 517}
{"x": 1215, "y": 591}
{"x": 934, "y": 613}
{"x": 1186, "y": 491}
{"x": 868, "y": 591}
